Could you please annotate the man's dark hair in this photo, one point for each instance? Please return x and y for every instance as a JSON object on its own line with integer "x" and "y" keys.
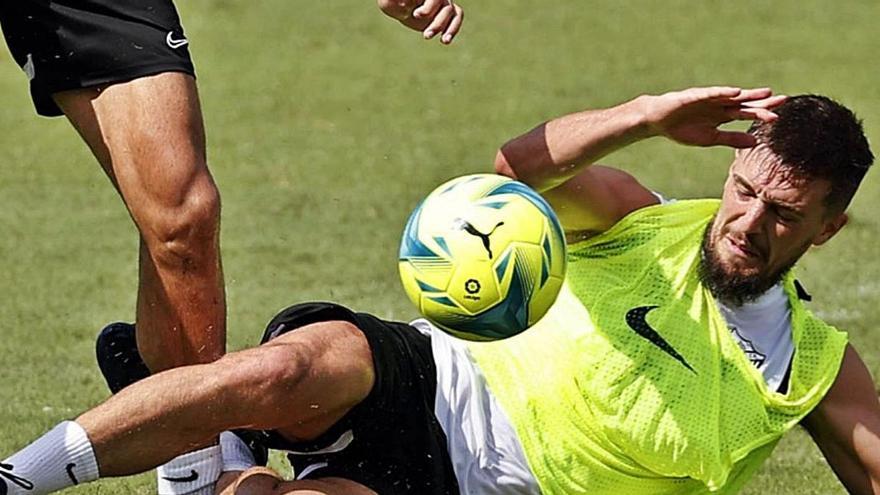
{"x": 818, "y": 138}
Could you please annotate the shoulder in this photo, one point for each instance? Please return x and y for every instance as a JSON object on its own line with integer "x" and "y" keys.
{"x": 666, "y": 219}
{"x": 596, "y": 199}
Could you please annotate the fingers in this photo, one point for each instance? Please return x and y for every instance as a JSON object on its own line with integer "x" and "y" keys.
{"x": 752, "y": 94}
{"x": 454, "y": 25}
{"x": 428, "y": 9}
{"x": 431, "y": 17}
{"x": 703, "y": 94}
{"x": 762, "y": 97}
{"x": 447, "y": 19}
{"x": 692, "y": 116}
{"x": 769, "y": 102}
{"x": 718, "y": 92}
{"x": 757, "y": 98}
{"x": 756, "y": 110}
{"x": 747, "y": 113}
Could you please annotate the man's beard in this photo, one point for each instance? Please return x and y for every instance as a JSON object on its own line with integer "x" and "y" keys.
{"x": 733, "y": 288}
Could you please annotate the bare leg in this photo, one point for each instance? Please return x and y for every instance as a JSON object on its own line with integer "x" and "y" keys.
{"x": 300, "y": 384}
{"x": 149, "y": 138}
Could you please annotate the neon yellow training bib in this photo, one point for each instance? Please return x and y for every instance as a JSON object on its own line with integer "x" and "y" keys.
{"x": 632, "y": 383}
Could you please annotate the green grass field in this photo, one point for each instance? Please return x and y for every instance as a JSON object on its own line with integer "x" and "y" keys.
{"x": 327, "y": 122}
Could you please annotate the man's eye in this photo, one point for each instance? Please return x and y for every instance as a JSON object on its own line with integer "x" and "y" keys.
{"x": 787, "y": 217}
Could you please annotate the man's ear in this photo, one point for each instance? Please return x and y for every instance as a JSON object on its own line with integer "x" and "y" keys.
{"x": 831, "y": 227}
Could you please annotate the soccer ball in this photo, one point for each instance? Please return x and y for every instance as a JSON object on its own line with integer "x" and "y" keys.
{"x": 483, "y": 257}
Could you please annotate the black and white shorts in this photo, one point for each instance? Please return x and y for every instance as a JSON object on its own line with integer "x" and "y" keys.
{"x": 391, "y": 442}
{"x": 70, "y": 44}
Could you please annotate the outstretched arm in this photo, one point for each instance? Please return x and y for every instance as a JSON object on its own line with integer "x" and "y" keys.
{"x": 431, "y": 17}
{"x": 555, "y": 157}
{"x": 846, "y": 427}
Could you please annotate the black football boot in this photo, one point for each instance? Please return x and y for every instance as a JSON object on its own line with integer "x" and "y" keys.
{"x": 118, "y": 356}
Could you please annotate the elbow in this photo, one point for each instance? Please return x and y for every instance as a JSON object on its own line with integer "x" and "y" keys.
{"x": 502, "y": 166}
{"x": 526, "y": 174}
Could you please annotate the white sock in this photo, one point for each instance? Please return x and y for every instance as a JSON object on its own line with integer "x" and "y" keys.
{"x": 61, "y": 458}
{"x": 236, "y": 454}
{"x": 194, "y": 473}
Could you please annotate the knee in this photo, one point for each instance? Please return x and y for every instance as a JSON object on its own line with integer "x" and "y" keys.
{"x": 282, "y": 369}
{"x": 263, "y": 372}
{"x": 310, "y": 373}
{"x": 184, "y": 232}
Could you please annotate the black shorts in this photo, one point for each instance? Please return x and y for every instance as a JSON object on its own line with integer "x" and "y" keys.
{"x": 70, "y": 44}
{"x": 391, "y": 442}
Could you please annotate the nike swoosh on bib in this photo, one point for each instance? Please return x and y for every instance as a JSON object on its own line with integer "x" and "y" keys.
{"x": 636, "y": 319}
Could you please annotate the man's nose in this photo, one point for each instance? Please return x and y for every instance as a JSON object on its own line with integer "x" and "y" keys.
{"x": 752, "y": 220}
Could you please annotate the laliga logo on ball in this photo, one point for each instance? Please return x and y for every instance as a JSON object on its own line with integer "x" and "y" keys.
{"x": 483, "y": 257}
{"x": 472, "y": 286}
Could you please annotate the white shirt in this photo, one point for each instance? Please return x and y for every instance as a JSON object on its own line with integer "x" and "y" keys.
{"x": 762, "y": 329}
{"x": 486, "y": 453}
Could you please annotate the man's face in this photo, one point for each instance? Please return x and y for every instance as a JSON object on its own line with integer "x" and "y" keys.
{"x": 768, "y": 218}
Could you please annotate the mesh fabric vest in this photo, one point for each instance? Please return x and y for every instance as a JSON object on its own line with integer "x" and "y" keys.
{"x": 632, "y": 383}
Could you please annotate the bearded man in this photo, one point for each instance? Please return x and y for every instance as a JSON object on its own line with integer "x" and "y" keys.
{"x": 677, "y": 354}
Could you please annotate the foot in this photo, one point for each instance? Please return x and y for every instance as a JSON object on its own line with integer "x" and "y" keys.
{"x": 118, "y": 356}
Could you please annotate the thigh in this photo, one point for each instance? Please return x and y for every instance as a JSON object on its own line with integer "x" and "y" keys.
{"x": 148, "y": 135}
{"x": 70, "y": 44}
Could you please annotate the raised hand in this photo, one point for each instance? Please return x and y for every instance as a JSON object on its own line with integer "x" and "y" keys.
{"x": 431, "y": 17}
{"x": 692, "y": 116}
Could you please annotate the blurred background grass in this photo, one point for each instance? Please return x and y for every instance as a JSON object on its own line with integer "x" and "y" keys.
{"x": 327, "y": 123}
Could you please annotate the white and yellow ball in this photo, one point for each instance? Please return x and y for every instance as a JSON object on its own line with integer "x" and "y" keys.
{"x": 483, "y": 257}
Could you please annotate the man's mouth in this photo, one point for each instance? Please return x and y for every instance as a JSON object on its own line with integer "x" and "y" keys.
{"x": 743, "y": 249}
